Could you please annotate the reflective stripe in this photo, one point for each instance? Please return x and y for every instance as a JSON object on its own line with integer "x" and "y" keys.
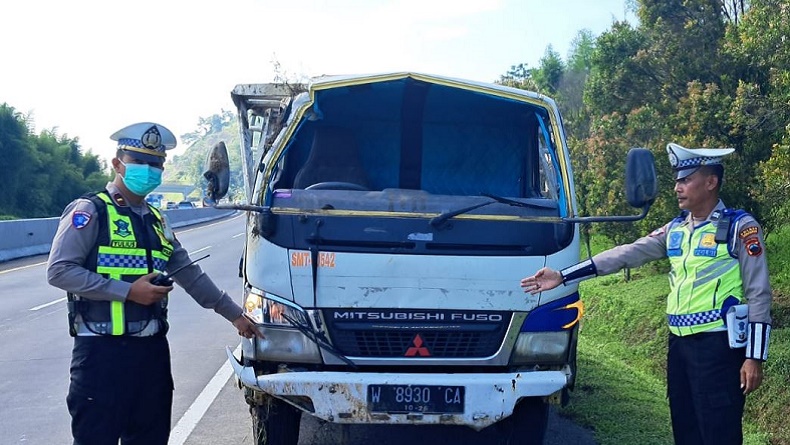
{"x": 117, "y": 318}
{"x": 695, "y": 319}
{"x": 143, "y": 328}
{"x": 720, "y": 270}
{"x": 757, "y": 343}
{"x": 710, "y": 269}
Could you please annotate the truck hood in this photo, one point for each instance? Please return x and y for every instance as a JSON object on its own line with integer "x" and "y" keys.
{"x": 359, "y": 280}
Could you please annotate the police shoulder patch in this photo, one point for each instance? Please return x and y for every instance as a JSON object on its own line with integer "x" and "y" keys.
{"x": 753, "y": 247}
{"x": 747, "y": 232}
{"x": 80, "y": 219}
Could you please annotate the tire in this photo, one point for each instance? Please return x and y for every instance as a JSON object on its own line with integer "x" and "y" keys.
{"x": 275, "y": 423}
{"x": 526, "y": 426}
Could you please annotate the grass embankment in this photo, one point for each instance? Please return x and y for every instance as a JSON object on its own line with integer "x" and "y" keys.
{"x": 621, "y": 387}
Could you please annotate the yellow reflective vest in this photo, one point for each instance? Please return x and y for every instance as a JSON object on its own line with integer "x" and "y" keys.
{"x": 705, "y": 279}
{"x": 127, "y": 247}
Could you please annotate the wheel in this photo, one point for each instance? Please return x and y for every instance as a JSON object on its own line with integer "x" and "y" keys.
{"x": 275, "y": 423}
{"x": 526, "y": 426}
{"x": 336, "y": 185}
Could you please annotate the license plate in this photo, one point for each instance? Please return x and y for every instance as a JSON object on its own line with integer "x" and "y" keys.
{"x": 428, "y": 399}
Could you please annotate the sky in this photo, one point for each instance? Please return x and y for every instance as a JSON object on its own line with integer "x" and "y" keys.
{"x": 87, "y": 68}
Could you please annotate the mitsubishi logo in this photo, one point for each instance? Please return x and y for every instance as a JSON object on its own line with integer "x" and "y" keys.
{"x": 418, "y": 349}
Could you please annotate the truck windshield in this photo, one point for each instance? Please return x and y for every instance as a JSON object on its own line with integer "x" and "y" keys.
{"x": 409, "y": 149}
{"x": 407, "y": 134}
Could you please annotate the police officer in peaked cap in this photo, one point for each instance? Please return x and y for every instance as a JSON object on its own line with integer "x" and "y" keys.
{"x": 108, "y": 247}
{"x": 718, "y": 307}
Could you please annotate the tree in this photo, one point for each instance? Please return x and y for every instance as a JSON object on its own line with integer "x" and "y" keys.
{"x": 761, "y": 108}
{"x": 685, "y": 38}
{"x": 570, "y": 94}
{"x": 42, "y": 172}
{"x": 618, "y": 80}
{"x": 519, "y": 76}
{"x": 16, "y": 155}
{"x": 548, "y": 75}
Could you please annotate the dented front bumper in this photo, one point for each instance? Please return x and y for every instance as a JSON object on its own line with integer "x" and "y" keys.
{"x": 341, "y": 397}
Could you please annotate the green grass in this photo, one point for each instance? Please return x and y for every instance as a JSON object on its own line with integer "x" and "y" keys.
{"x": 620, "y": 390}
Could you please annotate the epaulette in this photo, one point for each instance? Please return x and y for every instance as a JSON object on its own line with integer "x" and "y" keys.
{"x": 101, "y": 206}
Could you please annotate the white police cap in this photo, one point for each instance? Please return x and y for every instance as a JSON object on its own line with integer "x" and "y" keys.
{"x": 686, "y": 161}
{"x": 145, "y": 141}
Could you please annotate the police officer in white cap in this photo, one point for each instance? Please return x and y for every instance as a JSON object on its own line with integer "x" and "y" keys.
{"x": 719, "y": 274}
{"x": 108, "y": 248}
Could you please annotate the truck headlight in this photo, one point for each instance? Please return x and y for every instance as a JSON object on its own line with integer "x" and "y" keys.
{"x": 268, "y": 309}
{"x": 282, "y": 342}
{"x": 541, "y": 347}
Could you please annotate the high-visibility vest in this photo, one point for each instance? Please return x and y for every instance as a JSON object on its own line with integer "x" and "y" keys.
{"x": 705, "y": 279}
{"x": 127, "y": 247}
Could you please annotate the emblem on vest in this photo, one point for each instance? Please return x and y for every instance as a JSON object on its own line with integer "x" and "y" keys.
{"x": 675, "y": 243}
{"x": 707, "y": 246}
{"x": 122, "y": 228}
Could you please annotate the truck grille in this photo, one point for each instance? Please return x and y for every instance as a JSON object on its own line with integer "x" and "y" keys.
{"x": 438, "y": 338}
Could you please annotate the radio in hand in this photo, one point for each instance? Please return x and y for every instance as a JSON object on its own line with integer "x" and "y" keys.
{"x": 164, "y": 279}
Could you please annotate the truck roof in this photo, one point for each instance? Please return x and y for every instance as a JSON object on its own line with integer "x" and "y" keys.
{"x": 270, "y": 94}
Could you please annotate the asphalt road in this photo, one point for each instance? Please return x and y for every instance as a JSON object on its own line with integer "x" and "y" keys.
{"x": 208, "y": 407}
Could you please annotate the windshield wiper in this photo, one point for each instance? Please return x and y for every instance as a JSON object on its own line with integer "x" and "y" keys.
{"x": 437, "y": 221}
{"x": 442, "y": 218}
{"x": 513, "y": 202}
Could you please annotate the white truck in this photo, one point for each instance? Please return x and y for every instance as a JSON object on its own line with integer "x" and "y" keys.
{"x": 390, "y": 220}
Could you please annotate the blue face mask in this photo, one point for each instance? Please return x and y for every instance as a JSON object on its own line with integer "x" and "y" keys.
{"x": 141, "y": 179}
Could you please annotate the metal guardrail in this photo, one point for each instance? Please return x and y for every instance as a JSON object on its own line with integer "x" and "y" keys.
{"x": 26, "y": 237}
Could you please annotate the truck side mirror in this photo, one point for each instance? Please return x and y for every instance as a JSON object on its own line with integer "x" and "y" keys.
{"x": 641, "y": 187}
{"x": 217, "y": 173}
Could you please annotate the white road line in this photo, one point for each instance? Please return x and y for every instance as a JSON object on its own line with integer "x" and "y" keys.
{"x": 42, "y": 306}
{"x": 199, "y": 250}
{"x": 22, "y": 267}
{"x": 236, "y": 236}
{"x": 196, "y": 411}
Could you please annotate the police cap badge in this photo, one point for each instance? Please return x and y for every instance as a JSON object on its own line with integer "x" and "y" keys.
{"x": 145, "y": 141}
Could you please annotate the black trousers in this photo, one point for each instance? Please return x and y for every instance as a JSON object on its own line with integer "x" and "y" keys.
{"x": 703, "y": 385}
{"x": 121, "y": 389}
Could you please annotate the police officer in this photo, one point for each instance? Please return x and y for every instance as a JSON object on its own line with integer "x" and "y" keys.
{"x": 718, "y": 262}
{"x": 108, "y": 247}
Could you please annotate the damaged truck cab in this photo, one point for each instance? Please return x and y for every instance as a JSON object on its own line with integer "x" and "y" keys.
{"x": 390, "y": 220}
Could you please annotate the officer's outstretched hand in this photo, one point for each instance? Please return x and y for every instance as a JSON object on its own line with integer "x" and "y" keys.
{"x": 246, "y": 327}
{"x": 751, "y": 375}
{"x": 544, "y": 279}
{"x": 146, "y": 293}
